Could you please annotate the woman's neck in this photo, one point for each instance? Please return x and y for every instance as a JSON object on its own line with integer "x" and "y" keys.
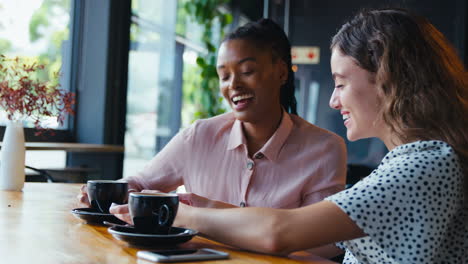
{"x": 258, "y": 133}
{"x": 390, "y": 139}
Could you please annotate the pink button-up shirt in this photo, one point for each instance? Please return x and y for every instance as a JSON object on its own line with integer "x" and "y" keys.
{"x": 299, "y": 165}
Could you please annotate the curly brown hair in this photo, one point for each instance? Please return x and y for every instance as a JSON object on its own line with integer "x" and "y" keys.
{"x": 418, "y": 72}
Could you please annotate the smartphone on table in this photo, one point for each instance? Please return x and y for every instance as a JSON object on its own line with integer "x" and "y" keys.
{"x": 180, "y": 255}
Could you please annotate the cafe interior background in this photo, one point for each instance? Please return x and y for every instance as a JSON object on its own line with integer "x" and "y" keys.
{"x": 132, "y": 65}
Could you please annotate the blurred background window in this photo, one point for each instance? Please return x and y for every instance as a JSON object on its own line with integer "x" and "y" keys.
{"x": 150, "y": 80}
{"x": 37, "y": 30}
{"x": 163, "y": 77}
{"x": 40, "y": 31}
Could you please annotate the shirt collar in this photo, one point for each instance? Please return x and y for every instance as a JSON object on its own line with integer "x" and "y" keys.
{"x": 273, "y": 146}
{"x": 237, "y": 137}
{"x": 413, "y": 147}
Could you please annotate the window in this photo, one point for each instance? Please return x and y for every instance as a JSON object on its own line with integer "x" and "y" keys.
{"x": 37, "y": 30}
{"x": 151, "y": 81}
{"x": 162, "y": 77}
{"x": 40, "y": 31}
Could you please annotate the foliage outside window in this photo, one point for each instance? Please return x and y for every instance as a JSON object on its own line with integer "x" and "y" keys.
{"x": 207, "y": 14}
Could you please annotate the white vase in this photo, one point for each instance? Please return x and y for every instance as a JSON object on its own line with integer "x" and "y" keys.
{"x": 12, "y": 157}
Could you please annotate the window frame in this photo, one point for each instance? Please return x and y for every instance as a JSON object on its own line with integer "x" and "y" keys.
{"x": 66, "y": 134}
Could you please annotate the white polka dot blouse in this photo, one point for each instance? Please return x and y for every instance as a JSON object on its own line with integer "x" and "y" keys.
{"x": 411, "y": 208}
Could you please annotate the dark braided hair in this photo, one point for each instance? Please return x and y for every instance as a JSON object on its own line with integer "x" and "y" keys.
{"x": 266, "y": 34}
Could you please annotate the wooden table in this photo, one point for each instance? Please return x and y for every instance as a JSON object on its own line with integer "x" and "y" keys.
{"x": 36, "y": 226}
{"x": 73, "y": 147}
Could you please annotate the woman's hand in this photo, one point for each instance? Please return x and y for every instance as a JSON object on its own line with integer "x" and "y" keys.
{"x": 182, "y": 218}
{"x": 121, "y": 212}
{"x": 200, "y": 201}
{"x": 83, "y": 199}
{"x": 83, "y": 196}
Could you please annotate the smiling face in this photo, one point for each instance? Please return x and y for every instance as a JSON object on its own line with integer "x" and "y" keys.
{"x": 250, "y": 80}
{"x": 356, "y": 96}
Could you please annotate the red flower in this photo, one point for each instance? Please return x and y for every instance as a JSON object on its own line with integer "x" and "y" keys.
{"x": 23, "y": 94}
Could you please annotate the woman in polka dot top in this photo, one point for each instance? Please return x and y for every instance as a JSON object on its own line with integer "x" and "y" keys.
{"x": 398, "y": 79}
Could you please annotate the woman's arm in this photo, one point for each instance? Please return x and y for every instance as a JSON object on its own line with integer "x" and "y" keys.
{"x": 193, "y": 199}
{"x": 122, "y": 211}
{"x": 164, "y": 172}
{"x": 272, "y": 231}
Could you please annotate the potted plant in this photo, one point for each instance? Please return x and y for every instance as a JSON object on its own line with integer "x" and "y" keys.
{"x": 26, "y": 93}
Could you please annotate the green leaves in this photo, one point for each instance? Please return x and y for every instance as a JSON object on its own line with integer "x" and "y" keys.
{"x": 201, "y": 62}
{"x": 211, "y": 48}
{"x": 206, "y": 13}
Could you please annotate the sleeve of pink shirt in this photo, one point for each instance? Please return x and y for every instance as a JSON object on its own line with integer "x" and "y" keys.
{"x": 331, "y": 172}
{"x": 165, "y": 171}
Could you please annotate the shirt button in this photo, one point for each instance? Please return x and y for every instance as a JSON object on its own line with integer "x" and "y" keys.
{"x": 242, "y": 204}
{"x": 250, "y": 165}
{"x": 259, "y": 156}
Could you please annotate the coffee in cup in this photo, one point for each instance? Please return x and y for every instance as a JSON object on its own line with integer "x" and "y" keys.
{"x": 102, "y": 193}
{"x": 153, "y": 212}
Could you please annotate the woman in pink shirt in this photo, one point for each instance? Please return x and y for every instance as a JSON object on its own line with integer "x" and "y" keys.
{"x": 261, "y": 153}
